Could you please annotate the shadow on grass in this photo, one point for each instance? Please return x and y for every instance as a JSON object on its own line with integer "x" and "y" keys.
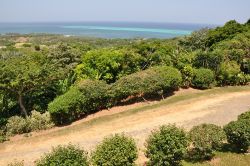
{"x": 230, "y": 148}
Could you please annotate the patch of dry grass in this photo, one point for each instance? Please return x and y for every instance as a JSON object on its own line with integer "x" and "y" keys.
{"x": 225, "y": 159}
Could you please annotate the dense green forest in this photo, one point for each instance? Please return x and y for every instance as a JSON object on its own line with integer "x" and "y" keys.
{"x": 48, "y": 80}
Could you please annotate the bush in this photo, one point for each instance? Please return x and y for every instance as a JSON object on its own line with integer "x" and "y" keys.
{"x": 248, "y": 78}
{"x": 69, "y": 155}
{"x": 230, "y": 74}
{"x": 86, "y": 97}
{"x": 205, "y": 139}
{"x": 117, "y": 150}
{"x": 67, "y": 107}
{"x": 209, "y": 59}
{"x": 166, "y": 146}
{"x": 203, "y": 78}
{"x": 3, "y": 136}
{"x": 238, "y": 134}
{"x": 35, "y": 122}
{"x": 26, "y": 45}
{"x": 96, "y": 95}
{"x": 187, "y": 76}
{"x": 38, "y": 121}
{"x": 245, "y": 115}
{"x": 17, "y": 125}
{"x": 37, "y": 47}
{"x": 151, "y": 81}
{"x": 89, "y": 96}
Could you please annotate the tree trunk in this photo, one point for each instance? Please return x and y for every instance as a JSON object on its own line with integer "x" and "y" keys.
{"x": 22, "y": 107}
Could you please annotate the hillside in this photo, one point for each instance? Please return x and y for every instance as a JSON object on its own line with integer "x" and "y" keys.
{"x": 186, "y": 108}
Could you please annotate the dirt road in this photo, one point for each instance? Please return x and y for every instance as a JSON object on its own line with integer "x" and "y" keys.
{"x": 201, "y": 107}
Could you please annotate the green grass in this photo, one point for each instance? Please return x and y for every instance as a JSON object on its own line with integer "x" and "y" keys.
{"x": 224, "y": 159}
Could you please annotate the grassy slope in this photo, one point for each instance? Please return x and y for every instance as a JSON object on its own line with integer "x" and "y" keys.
{"x": 222, "y": 159}
{"x": 170, "y": 100}
{"x": 225, "y": 159}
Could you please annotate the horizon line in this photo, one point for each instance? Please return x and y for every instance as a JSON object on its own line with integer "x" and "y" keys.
{"x": 155, "y": 22}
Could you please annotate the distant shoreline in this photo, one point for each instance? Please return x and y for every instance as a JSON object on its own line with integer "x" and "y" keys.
{"x": 111, "y": 30}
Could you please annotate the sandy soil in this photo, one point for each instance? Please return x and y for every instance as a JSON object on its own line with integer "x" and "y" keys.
{"x": 214, "y": 108}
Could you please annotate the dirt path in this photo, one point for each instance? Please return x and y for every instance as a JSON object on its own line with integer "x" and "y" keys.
{"x": 217, "y": 108}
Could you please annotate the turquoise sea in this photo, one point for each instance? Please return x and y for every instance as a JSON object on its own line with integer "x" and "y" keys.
{"x": 105, "y": 29}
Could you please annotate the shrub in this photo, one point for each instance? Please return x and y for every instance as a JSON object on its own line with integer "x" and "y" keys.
{"x": 229, "y": 74}
{"x": 38, "y": 121}
{"x": 96, "y": 95}
{"x": 67, "y": 107}
{"x": 26, "y": 45}
{"x": 117, "y": 150}
{"x": 68, "y": 155}
{"x": 238, "y": 134}
{"x": 148, "y": 82}
{"x": 245, "y": 115}
{"x": 166, "y": 146}
{"x": 17, "y": 125}
{"x": 86, "y": 97}
{"x": 248, "y": 78}
{"x": 208, "y": 59}
{"x": 241, "y": 79}
{"x": 205, "y": 139}
{"x": 187, "y": 76}
{"x": 203, "y": 78}
{"x": 37, "y": 47}
{"x": 89, "y": 96}
{"x": 169, "y": 78}
{"x": 3, "y": 136}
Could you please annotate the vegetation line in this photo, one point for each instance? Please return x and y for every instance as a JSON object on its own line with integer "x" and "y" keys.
{"x": 171, "y": 100}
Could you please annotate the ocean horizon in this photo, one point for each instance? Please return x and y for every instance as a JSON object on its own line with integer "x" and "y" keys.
{"x": 105, "y": 29}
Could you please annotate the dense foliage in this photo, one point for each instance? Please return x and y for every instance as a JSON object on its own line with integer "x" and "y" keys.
{"x": 205, "y": 139}
{"x": 203, "y": 78}
{"x": 148, "y": 82}
{"x": 64, "y": 156}
{"x": 86, "y": 97}
{"x": 245, "y": 115}
{"x": 71, "y": 77}
{"x": 108, "y": 64}
{"x": 166, "y": 146}
{"x": 116, "y": 150}
{"x": 238, "y": 134}
{"x": 36, "y": 121}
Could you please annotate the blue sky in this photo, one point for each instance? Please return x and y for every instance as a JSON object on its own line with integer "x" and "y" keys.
{"x": 188, "y": 11}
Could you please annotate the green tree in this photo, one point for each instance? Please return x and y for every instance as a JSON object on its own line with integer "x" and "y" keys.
{"x": 210, "y": 60}
{"x": 108, "y": 64}
{"x": 197, "y": 40}
{"x": 20, "y": 75}
{"x": 228, "y": 73}
{"x": 228, "y": 31}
